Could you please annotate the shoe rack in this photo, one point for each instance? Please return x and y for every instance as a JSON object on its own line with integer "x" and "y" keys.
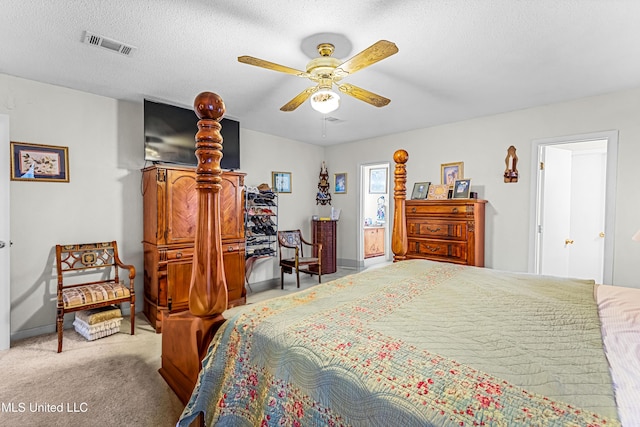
{"x": 261, "y": 221}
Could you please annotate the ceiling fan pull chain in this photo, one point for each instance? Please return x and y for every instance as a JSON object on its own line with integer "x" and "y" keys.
{"x": 324, "y": 125}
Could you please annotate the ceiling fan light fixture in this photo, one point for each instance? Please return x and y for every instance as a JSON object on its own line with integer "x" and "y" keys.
{"x": 325, "y": 101}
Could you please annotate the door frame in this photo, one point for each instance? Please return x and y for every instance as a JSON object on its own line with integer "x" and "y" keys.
{"x": 362, "y": 190}
{"x": 611, "y": 137}
{"x": 5, "y": 261}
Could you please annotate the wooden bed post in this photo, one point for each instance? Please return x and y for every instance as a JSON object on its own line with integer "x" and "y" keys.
{"x": 186, "y": 336}
{"x": 208, "y": 289}
{"x": 399, "y": 237}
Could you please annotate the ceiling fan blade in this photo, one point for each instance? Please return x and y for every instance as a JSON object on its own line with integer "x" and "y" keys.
{"x": 299, "y": 99}
{"x": 374, "y": 53}
{"x": 271, "y": 66}
{"x": 364, "y": 95}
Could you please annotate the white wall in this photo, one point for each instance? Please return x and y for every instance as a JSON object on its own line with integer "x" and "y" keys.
{"x": 261, "y": 154}
{"x": 103, "y": 200}
{"x": 100, "y": 203}
{"x": 482, "y": 145}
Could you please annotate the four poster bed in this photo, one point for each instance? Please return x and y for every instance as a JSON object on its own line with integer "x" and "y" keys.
{"x": 415, "y": 343}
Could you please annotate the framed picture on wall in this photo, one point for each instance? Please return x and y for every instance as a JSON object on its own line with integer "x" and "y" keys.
{"x": 449, "y": 172}
{"x": 420, "y": 190}
{"x": 340, "y": 180}
{"x": 461, "y": 189}
{"x": 378, "y": 181}
{"x": 281, "y": 182}
{"x": 37, "y": 162}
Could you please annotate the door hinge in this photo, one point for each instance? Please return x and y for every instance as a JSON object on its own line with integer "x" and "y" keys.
{"x": 541, "y": 166}
{"x": 539, "y": 228}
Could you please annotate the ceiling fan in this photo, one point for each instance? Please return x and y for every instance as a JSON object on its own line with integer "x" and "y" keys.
{"x": 327, "y": 71}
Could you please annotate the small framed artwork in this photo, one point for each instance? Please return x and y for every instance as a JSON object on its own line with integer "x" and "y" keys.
{"x": 340, "y": 180}
{"x": 37, "y": 162}
{"x": 461, "y": 189}
{"x": 449, "y": 172}
{"x": 438, "y": 192}
{"x": 420, "y": 190}
{"x": 378, "y": 181}
{"x": 281, "y": 182}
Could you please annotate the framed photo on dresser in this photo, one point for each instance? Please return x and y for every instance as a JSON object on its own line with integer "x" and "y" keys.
{"x": 449, "y": 172}
{"x": 438, "y": 192}
{"x": 420, "y": 190}
{"x": 461, "y": 189}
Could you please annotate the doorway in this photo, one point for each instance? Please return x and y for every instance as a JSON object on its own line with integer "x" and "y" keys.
{"x": 5, "y": 295}
{"x": 573, "y": 206}
{"x": 373, "y": 231}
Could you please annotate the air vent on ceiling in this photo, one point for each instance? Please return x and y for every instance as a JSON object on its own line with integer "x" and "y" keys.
{"x": 109, "y": 44}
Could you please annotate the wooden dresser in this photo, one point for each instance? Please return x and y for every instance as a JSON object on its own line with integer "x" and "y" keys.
{"x": 373, "y": 242}
{"x": 446, "y": 230}
{"x": 324, "y": 231}
{"x": 170, "y": 209}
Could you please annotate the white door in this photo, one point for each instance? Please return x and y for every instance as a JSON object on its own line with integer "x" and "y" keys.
{"x": 574, "y": 206}
{"x": 555, "y": 225}
{"x": 5, "y": 297}
{"x": 587, "y": 214}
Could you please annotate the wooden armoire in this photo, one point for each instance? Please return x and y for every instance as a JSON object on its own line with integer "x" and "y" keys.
{"x": 170, "y": 210}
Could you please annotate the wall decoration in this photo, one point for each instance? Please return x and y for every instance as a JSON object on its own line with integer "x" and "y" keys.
{"x": 461, "y": 189}
{"x": 449, "y": 172}
{"x": 323, "y": 197}
{"x": 438, "y": 192}
{"x": 340, "y": 180}
{"x": 511, "y": 162}
{"x": 381, "y": 211}
{"x": 281, "y": 182}
{"x": 420, "y": 190}
{"x": 37, "y": 162}
{"x": 378, "y": 181}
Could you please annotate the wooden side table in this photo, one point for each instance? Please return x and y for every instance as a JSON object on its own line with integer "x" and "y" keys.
{"x": 324, "y": 231}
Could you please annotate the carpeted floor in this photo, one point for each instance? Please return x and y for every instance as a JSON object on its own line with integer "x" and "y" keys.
{"x": 112, "y": 381}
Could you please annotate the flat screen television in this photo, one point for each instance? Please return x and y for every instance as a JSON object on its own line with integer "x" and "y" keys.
{"x": 169, "y": 136}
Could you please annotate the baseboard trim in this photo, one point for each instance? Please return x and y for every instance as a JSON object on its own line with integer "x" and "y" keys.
{"x": 350, "y": 263}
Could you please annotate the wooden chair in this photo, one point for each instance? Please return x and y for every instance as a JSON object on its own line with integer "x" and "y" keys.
{"x": 292, "y": 241}
{"x": 95, "y": 261}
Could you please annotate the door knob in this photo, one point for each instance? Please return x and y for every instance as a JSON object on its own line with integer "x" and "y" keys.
{"x": 568, "y": 242}
{"x": 601, "y": 234}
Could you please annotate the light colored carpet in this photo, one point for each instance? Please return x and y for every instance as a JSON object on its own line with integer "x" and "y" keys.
{"x": 112, "y": 381}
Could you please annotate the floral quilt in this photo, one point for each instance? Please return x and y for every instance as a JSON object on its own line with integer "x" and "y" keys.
{"x": 416, "y": 343}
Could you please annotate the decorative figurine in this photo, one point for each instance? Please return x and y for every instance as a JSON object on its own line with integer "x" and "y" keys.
{"x": 381, "y": 212}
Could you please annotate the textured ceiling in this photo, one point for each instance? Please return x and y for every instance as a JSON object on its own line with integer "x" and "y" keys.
{"x": 457, "y": 59}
